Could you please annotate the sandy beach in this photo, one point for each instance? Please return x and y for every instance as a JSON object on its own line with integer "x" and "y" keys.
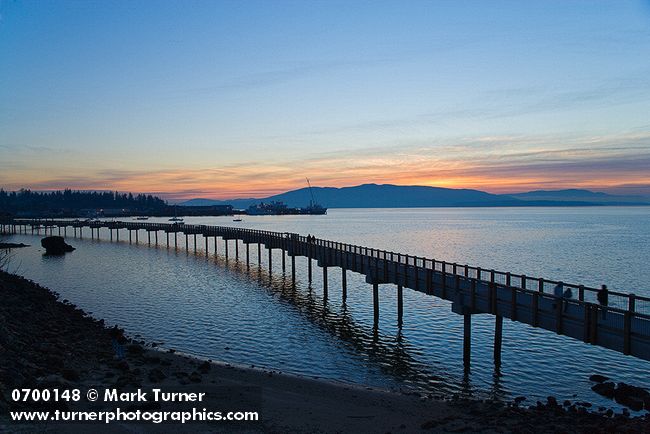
{"x": 49, "y": 343}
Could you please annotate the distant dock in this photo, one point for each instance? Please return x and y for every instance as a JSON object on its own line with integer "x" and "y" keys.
{"x": 623, "y": 325}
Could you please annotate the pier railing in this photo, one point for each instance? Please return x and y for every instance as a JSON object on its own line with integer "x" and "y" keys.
{"x": 623, "y": 324}
{"x": 617, "y": 300}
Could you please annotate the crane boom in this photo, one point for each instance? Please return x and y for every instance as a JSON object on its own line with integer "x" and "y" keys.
{"x": 312, "y": 202}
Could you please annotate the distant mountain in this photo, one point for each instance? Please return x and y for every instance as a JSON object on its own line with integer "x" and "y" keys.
{"x": 577, "y": 195}
{"x": 401, "y": 196}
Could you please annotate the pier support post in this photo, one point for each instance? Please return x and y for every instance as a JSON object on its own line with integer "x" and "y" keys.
{"x": 248, "y": 255}
{"x": 130, "y": 236}
{"x": 136, "y": 236}
{"x": 270, "y": 261}
{"x": 215, "y": 244}
{"x": 176, "y": 240}
{"x": 194, "y": 243}
{"x": 225, "y": 241}
{"x": 309, "y": 268}
{"x": 344, "y": 284}
{"x": 325, "y": 282}
{"x": 467, "y": 339}
{"x": 167, "y": 233}
{"x": 236, "y": 249}
{"x": 498, "y": 337}
{"x": 206, "y": 244}
{"x": 117, "y": 233}
{"x": 187, "y": 242}
{"x": 259, "y": 254}
{"x": 375, "y": 302}
{"x": 400, "y": 304}
{"x": 284, "y": 265}
{"x": 149, "y": 237}
{"x": 293, "y": 270}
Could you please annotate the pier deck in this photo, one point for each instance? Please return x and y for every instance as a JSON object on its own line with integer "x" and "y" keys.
{"x": 623, "y": 325}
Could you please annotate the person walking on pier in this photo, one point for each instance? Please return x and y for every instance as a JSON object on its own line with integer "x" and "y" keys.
{"x": 603, "y": 299}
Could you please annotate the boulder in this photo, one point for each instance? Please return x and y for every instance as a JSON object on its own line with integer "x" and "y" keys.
{"x": 204, "y": 367}
{"x": 55, "y": 245}
{"x": 597, "y": 378}
{"x": 605, "y": 389}
{"x": 630, "y": 396}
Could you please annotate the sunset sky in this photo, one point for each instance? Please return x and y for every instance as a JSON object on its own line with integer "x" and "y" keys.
{"x": 224, "y": 99}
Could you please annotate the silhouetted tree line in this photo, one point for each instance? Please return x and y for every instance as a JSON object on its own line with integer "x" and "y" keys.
{"x": 69, "y": 200}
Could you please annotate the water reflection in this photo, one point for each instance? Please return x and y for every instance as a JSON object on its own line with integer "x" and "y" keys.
{"x": 389, "y": 353}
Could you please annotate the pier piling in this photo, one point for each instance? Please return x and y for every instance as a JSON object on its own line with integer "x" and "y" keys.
{"x": 309, "y": 268}
{"x": 375, "y": 302}
{"x": 467, "y": 339}
{"x": 498, "y": 338}
{"x": 400, "y": 304}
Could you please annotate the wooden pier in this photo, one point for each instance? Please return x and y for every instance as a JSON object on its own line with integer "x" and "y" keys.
{"x": 622, "y": 325}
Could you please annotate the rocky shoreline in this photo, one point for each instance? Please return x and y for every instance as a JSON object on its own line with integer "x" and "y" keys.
{"x": 48, "y": 343}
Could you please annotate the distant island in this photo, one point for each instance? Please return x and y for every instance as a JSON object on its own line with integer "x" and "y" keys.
{"x": 400, "y": 196}
{"x": 69, "y": 203}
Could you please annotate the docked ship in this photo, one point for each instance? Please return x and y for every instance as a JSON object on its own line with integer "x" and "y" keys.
{"x": 280, "y": 208}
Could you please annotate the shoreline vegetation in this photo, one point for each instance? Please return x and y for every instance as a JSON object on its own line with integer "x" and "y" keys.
{"x": 50, "y": 343}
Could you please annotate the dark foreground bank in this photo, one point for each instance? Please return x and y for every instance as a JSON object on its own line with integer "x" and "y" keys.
{"x": 50, "y": 344}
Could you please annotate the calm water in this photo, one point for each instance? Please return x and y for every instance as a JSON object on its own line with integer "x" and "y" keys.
{"x": 203, "y": 305}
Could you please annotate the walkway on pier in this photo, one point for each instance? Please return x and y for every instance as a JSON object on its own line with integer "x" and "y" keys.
{"x": 623, "y": 325}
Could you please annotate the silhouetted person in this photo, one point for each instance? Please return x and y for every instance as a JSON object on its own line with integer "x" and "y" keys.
{"x": 603, "y": 298}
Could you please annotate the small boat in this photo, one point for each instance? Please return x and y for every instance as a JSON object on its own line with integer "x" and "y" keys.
{"x": 175, "y": 218}
{"x": 237, "y": 220}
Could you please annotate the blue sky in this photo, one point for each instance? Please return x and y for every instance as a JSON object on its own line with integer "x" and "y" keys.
{"x": 240, "y": 98}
